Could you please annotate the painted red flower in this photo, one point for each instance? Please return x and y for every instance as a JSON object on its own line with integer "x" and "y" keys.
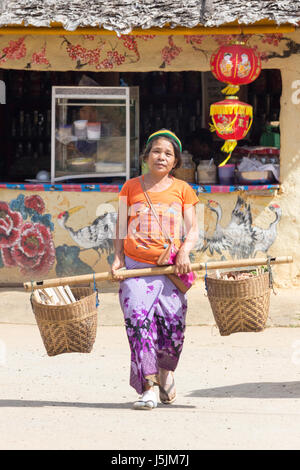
{"x": 273, "y": 39}
{"x": 34, "y": 252}
{"x": 35, "y": 202}
{"x": 40, "y": 57}
{"x": 10, "y": 225}
{"x": 194, "y": 39}
{"x": 15, "y": 51}
{"x": 170, "y": 53}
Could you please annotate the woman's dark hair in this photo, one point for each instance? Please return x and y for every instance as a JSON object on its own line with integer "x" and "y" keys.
{"x": 147, "y": 149}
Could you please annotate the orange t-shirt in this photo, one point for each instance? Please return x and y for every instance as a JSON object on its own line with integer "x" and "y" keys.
{"x": 144, "y": 240}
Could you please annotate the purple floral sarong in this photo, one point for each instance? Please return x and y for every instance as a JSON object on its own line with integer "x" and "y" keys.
{"x": 154, "y": 312}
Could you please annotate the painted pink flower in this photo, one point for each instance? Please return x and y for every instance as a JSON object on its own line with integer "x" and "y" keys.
{"x": 130, "y": 43}
{"x": 273, "y": 39}
{"x": 35, "y": 202}
{"x": 86, "y": 56}
{"x": 40, "y": 57}
{"x": 112, "y": 58}
{"x": 34, "y": 252}
{"x": 194, "y": 39}
{"x": 7, "y": 258}
{"x": 223, "y": 39}
{"x": 170, "y": 53}
{"x": 10, "y": 225}
{"x": 16, "y": 50}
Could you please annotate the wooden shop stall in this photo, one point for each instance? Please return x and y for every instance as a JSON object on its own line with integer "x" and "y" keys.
{"x": 79, "y": 100}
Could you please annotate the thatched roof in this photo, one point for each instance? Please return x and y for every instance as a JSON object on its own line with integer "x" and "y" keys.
{"x": 217, "y": 12}
{"x": 125, "y": 15}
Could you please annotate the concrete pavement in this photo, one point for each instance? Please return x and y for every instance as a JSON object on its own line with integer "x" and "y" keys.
{"x": 15, "y": 306}
{"x": 235, "y": 392}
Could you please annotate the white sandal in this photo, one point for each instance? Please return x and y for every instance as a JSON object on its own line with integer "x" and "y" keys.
{"x": 148, "y": 401}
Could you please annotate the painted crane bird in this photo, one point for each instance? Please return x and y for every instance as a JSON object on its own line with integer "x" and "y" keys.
{"x": 237, "y": 237}
{"x": 240, "y": 238}
{"x": 98, "y": 236}
{"x": 266, "y": 237}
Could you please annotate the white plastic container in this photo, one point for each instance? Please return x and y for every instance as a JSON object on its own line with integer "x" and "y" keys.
{"x": 94, "y": 130}
{"x": 80, "y": 128}
{"x": 206, "y": 172}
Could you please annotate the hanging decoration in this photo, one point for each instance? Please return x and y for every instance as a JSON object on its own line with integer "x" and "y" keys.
{"x": 235, "y": 64}
{"x": 231, "y": 120}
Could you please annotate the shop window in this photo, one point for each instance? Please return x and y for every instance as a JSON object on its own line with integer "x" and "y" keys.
{"x": 175, "y": 100}
{"x": 26, "y": 122}
{"x": 261, "y": 148}
{"x": 180, "y": 101}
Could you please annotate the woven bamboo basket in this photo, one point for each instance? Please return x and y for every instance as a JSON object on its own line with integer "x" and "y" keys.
{"x": 240, "y": 305}
{"x": 68, "y": 328}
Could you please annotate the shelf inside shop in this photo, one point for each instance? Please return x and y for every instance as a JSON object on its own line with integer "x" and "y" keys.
{"x": 218, "y": 188}
{"x": 116, "y": 187}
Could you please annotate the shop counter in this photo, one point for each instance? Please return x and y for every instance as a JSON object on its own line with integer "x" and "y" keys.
{"x": 116, "y": 188}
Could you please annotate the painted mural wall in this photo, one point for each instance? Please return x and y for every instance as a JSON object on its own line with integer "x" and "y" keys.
{"x": 45, "y": 235}
{"x": 56, "y": 234}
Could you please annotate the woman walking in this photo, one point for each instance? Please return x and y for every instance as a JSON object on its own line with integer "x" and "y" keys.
{"x": 154, "y": 208}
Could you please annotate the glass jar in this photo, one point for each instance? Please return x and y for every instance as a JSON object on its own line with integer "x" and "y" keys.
{"x": 187, "y": 170}
{"x": 206, "y": 172}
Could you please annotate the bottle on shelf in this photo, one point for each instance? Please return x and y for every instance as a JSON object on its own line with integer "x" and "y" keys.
{"x": 40, "y": 149}
{"x": 19, "y": 151}
{"x": 206, "y": 172}
{"x": 21, "y": 123}
{"x": 14, "y": 130}
{"x": 40, "y": 124}
{"x": 27, "y": 126}
{"x": 48, "y": 123}
{"x": 35, "y": 123}
{"x": 187, "y": 170}
{"x": 28, "y": 150}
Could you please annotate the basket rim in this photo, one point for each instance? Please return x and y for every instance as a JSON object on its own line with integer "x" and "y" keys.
{"x": 236, "y": 281}
{"x": 64, "y": 306}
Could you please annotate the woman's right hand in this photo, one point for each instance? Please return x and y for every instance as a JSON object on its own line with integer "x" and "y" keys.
{"x": 118, "y": 263}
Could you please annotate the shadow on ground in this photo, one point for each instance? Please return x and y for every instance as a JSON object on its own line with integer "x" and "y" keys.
{"x": 252, "y": 390}
{"x": 36, "y": 404}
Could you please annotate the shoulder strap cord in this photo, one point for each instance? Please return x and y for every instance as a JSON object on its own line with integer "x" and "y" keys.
{"x": 153, "y": 210}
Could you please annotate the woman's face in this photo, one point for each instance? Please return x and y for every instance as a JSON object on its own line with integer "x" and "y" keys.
{"x": 161, "y": 159}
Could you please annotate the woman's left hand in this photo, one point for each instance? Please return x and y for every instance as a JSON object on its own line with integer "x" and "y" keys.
{"x": 183, "y": 263}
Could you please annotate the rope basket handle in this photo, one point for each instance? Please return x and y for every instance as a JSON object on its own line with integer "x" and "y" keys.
{"x": 271, "y": 279}
{"x": 96, "y": 290}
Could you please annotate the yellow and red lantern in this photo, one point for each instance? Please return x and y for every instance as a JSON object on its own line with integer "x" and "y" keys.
{"x": 231, "y": 120}
{"x": 235, "y": 64}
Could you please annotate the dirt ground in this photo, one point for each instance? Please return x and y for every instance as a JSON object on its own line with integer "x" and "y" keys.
{"x": 235, "y": 392}
{"x": 15, "y": 307}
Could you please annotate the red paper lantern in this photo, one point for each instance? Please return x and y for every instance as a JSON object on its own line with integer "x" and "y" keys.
{"x": 232, "y": 120}
{"x": 235, "y": 64}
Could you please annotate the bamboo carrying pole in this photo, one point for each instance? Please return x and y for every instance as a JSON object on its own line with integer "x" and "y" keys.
{"x": 107, "y": 276}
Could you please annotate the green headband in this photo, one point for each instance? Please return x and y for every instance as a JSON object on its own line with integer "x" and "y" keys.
{"x": 165, "y": 133}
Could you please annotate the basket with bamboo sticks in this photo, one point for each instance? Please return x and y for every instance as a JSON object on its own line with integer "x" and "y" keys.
{"x": 72, "y": 327}
{"x": 240, "y": 300}
{"x": 67, "y": 318}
